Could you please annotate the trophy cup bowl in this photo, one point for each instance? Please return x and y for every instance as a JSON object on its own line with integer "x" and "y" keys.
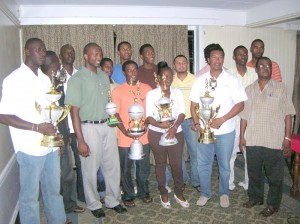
{"x": 207, "y": 100}
{"x": 111, "y": 109}
{"x": 137, "y": 129}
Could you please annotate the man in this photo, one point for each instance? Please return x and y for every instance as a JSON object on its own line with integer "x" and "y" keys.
{"x": 97, "y": 144}
{"x": 50, "y": 68}
{"x": 257, "y": 49}
{"x": 124, "y": 52}
{"x": 247, "y": 76}
{"x": 67, "y": 57}
{"x": 268, "y": 104}
{"x": 229, "y": 94}
{"x": 124, "y": 96}
{"x": 39, "y": 165}
{"x": 184, "y": 80}
{"x": 147, "y": 70}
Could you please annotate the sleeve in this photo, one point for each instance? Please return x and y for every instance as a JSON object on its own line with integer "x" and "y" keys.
{"x": 73, "y": 94}
{"x": 10, "y": 97}
{"x": 288, "y": 108}
{"x": 195, "y": 91}
{"x": 244, "y": 114}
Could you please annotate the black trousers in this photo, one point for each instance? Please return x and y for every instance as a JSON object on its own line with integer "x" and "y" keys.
{"x": 263, "y": 162}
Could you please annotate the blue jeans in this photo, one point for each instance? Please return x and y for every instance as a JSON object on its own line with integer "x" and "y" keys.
{"x": 205, "y": 158}
{"x": 44, "y": 170}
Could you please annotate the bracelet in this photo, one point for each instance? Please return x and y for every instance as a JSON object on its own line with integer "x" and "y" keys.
{"x": 32, "y": 127}
{"x": 287, "y": 138}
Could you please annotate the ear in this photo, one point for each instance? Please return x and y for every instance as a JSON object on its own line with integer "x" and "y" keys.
{"x": 85, "y": 56}
{"x": 27, "y": 53}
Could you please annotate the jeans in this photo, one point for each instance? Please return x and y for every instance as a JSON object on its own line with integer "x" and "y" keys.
{"x": 44, "y": 171}
{"x": 101, "y": 183}
{"x": 79, "y": 182}
{"x": 205, "y": 158}
{"x": 142, "y": 173}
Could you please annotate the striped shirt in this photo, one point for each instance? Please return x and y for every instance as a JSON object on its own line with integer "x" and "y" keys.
{"x": 249, "y": 77}
{"x": 276, "y": 74}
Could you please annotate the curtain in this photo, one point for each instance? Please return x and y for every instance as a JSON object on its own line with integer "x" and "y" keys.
{"x": 296, "y": 92}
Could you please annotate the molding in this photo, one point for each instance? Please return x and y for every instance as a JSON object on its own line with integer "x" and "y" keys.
{"x": 15, "y": 213}
{"x": 12, "y": 161}
{"x": 9, "y": 13}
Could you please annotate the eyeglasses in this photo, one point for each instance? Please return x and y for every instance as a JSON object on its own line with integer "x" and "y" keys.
{"x": 264, "y": 66}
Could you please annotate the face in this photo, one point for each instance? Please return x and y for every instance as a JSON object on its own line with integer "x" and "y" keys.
{"x": 169, "y": 78}
{"x": 107, "y": 68}
{"x": 54, "y": 65}
{"x": 181, "y": 65}
{"x": 131, "y": 73}
{"x": 241, "y": 56}
{"x": 93, "y": 57}
{"x": 148, "y": 55}
{"x": 257, "y": 49}
{"x": 36, "y": 53}
{"x": 264, "y": 69}
{"x": 125, "y": 52}
{"x": 216, "y": 60}
{"x": 67, "y": 56}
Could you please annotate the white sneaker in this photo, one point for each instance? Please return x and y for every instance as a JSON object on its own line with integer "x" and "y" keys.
{"x": 244, "y": 185}
{"x": 224, "y": 201}
{"x": 168, "y": 189}
{"x": 135, "y": 189}
{"x": 231, "y": 186}
{"x": 202, "y": 201}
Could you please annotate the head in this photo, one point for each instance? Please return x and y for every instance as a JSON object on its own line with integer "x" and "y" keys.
{"x": 51, "y": 64}
{"x": 92, "y": 54}
{"x": 107, "y": 65}
{"x": 124, "y": 51}
{"x": 263, "y": 68}
{"x": 215, "y": 54}
{"x": 35, "y": 52}
{"x": 240, "y": 55}
{"x": 67, "y": 54}
{"x": 163, "y": 69}
{"x": 147, "y": 54}
{"x": 180, "y": 64}
{"x": 257, "y": 48}
{"x": 130, "y": 69}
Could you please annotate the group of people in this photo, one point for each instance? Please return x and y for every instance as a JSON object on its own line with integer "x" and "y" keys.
{"x": 250, "y": 99}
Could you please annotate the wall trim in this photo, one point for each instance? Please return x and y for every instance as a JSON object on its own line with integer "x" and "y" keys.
{"x": 9, "y": 14}
{"x": 9, "y": 166}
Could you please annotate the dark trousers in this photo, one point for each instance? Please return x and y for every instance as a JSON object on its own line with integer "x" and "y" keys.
{"x": 161, "y": 154}
{"x": 262, "y": 160}
{"x": 142, "y": 173}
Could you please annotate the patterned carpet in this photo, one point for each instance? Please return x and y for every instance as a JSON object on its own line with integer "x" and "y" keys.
{"x": 154, "y": 213}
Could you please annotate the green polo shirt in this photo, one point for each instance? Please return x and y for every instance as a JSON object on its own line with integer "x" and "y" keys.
{"x": 89, "y": 92}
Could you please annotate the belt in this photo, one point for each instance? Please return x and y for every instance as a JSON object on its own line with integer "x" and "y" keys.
{"x": 94, "y": 122}
{"x": 188, "y": 118}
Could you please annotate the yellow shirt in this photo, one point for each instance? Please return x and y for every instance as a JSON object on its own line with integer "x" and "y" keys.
{"x": 185, "y": 87}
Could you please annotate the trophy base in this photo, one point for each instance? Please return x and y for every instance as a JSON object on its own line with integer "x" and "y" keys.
{"x": 207, "y": 138}
{"x": 166, "y": 142}
{"x": 52, "y": 141}
{"x": 114, "y": 120}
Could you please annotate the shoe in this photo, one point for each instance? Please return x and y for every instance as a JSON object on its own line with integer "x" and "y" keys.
{"x": 168, "y": 189}
{"x": 102, "y": 199}
{"x": 224, "y": 201}
{"x": 68, "y": 221}
{"x": 197, "y": 188}
{"x": 147, "y": 199}
{"x": 268, "y": 211}
{"x": 202, "y": 201}
{"x": 165, "y": 204}
{"x": 78, "y": 209}
{"x": 98, "y": 213}
{"x": 119, "y": 209}
{"x": 184, "y": 204}
{"x": 244, "y": 185}
{"x": 250, "y": 204}
{"x": 129, "y": 203}
{"x": 231, "y": 187}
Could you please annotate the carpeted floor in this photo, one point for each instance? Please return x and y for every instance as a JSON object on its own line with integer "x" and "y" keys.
{"x": 154, "y": 213}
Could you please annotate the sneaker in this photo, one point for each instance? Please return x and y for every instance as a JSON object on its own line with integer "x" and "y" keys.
{"x": 168, "y": 189}
{"x": 224, "y": 201}
{"x": 244, "y": 185}
{"x": 231, "y": 186}
{"x": 202, "y": 201}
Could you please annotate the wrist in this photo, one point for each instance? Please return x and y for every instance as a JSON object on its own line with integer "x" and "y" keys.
{"x": 287, "y": 138}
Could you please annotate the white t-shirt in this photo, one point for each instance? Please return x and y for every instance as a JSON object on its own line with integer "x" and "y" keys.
{"x": 21, "y": 89}
{"x": 229, "y": 91}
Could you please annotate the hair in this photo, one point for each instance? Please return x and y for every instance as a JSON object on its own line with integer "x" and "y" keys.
{"x": 257, "y": 40}
{"x": 88, "y": 46}
{"x": 179, "y": 56}
{"x": 121, "y": 43}
{"x": 49, "y": 55}
{"x": 161, "y": 67}
{"x": 128, "y": 63}
{"x": 239, "y": 47}
{"x": 66, "y": 46}
{"x": 262, "y": 58}
{"x": 31, "y": 41}
{"x": 106, "y": 60}
{"x": 212, "y": 47}
{"x": 142, "y": 48}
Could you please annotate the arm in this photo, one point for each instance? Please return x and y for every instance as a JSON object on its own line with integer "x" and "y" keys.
{"x": 173, "y": 129}
{"x": 286, "y": 144}
{"x": 243, "y": 126}
{"x": 196, "y": 123}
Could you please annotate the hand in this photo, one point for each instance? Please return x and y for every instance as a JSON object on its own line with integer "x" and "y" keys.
{"x": 286, "y": 148}
{"x": 242, "y": 144}
{"x": 46, "y": 128}
{"x": 166, "y": 124}
{"x": 61, "y": 150}
{"x": 84, "y": 149}
{"x": 217, "y": 122}
{"x": 171, "y": 132}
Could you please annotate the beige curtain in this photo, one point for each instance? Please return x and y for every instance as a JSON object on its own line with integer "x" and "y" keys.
{"x": 296, "y": 92}
{"x": 78, "y": 36}
{"x": 168, "y": 41}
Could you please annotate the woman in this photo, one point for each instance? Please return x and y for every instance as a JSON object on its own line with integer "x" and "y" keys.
{"x": 172, "y": 128}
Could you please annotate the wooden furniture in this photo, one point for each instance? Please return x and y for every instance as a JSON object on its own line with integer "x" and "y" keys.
{"x": 295, "y": 146}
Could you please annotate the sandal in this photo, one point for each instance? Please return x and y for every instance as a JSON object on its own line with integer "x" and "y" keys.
{"x": 165, "y": 204}
{"x": 129, "y": 203}
{"x": 268, "y": 211}
{"x": 147, "y": 199}
{"x": 250, "y": 204}
{"x": 68, "y": 221}
{"x": 78, "y": 209}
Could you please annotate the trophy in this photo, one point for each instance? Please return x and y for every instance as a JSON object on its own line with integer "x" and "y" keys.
{"x": 136, "y": 126}
{"x": 206, "y": 114}
{"x": 53, "y": 114}
{"x": 164, "y": 106}
{"x": 61, "y": 75}
{"x": 111, "y": 109}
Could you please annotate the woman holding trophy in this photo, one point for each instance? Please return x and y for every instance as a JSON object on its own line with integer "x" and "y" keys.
{"x": 165, "y": 112}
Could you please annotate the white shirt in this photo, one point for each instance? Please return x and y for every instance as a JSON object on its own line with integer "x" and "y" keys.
{"x": 229, "y": 91}
{"x": 21, "y": 89}
{"x": 177, "y": 102}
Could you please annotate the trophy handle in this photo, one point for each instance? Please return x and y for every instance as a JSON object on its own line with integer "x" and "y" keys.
{"x": 64, "y": 114}
{"x": 216, "y": 113}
